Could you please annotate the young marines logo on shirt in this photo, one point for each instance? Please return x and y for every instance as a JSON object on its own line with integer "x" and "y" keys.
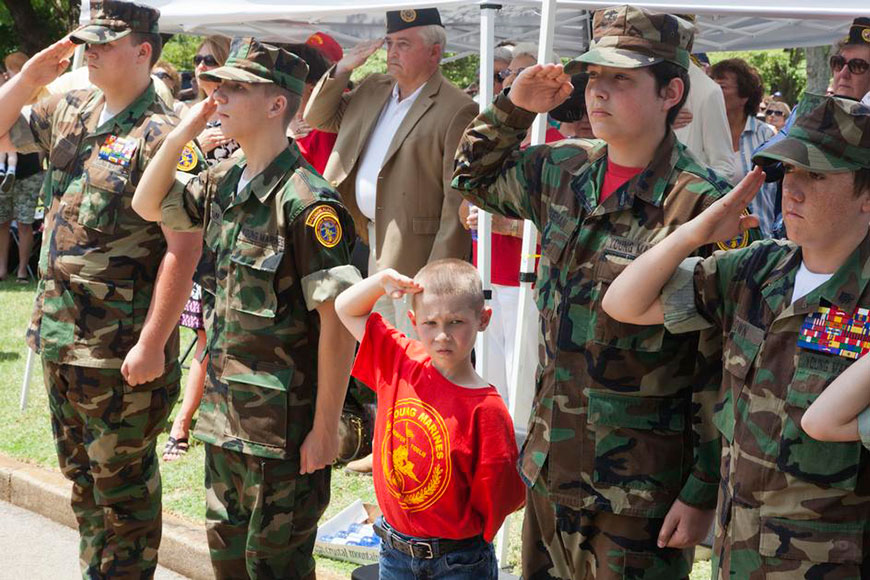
{"x": 415, "y": 454}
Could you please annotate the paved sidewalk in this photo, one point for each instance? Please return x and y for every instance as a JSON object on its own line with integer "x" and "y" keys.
{"x": 38, "y": 548}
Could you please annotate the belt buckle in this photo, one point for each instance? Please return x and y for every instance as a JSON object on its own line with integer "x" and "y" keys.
{"x": 427, "y": 545}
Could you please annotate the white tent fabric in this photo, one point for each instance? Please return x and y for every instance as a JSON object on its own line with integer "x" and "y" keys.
{"x": 724, "y": 25}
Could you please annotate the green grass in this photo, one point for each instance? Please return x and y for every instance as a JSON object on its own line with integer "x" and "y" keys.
{"x": 27, "y": 436}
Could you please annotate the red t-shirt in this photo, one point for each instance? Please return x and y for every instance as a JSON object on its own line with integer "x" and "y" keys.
{"x": 507, "y": 251}
{"x": 316, "y": 148}
{"x": 444, "y": 455}
{"x": 614, "y": 177}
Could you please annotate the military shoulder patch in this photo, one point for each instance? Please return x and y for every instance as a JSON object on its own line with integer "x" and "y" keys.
{"x": 189, "y": 159}
{"x": 737, "y": 242}
{"x": 327, "y": 226}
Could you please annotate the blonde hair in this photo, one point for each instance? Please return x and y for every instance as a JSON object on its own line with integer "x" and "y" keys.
{"x": 453, "y": 278}
{"x": 778, "y": 106}
{"x": 219, "y": 46}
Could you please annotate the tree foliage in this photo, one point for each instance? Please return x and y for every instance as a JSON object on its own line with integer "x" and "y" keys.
{"x": 180, "y": 50}
{"x": 31, "y": 25}
{"x": 781, "y": 70}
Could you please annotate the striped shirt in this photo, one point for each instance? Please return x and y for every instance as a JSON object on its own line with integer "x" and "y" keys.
{"x": 763, "y": 206}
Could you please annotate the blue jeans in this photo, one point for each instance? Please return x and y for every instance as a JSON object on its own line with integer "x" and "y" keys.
{"x": 477, "y": 562}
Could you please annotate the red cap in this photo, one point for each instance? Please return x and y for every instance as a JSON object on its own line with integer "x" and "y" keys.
{"x": 326, "y": 45}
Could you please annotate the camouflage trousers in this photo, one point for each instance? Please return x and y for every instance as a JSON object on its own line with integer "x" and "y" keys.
{"x": 20, "y": 203}
{"x": 261, "y": 515}
{"x": 561, "y": 542}
{"x": 105, "y": 433}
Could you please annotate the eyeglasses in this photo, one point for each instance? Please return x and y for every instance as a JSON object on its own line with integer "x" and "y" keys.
{"x": 206, "y": 59}
{"x": 510, "y": 72}
{"x": 857, "y": 66}
{"x": 164, "y": 76}
{"x": 776, "y": 113}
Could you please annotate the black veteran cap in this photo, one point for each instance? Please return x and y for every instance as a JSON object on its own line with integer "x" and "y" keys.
{"x": 859, "y": 32}
{"x": 251, "y": 61}
{"x": 114, "y": 19}
{"x": 401, "y": 19}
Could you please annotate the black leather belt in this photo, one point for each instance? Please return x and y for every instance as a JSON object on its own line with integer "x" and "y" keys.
{"x": 427, "y": 549}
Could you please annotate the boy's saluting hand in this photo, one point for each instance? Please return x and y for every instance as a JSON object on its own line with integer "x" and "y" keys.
{"x": 541, "y": 88}
{"x": 397, "y": 285}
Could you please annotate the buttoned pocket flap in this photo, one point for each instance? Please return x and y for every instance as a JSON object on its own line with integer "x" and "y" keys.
{"x": 811, "y": 541}
{"x": 257, "y": 401}
{"x": 617, "y": 410}
{"x": 103, "y": 197}
{"x": 742, "y": 347}
{"x": 252, "y": 278}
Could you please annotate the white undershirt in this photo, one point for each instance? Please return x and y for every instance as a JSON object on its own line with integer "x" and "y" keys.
{"x": 806, "y": 281}
{"x": 242, "y": 183}
{"x": 105, "y": 115}
{"x": 376, "y": 149}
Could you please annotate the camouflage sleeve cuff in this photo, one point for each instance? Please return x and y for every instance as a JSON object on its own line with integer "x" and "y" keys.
{"x": 22, "y": 137}
{"x": 511, "y": 115}
{"x": 699, "y": 494}
{"x": 678, "y": 300}
{"x": 864, "y": 427}
{"x": 325, "y": 285}
{"x": 173, "y": 213}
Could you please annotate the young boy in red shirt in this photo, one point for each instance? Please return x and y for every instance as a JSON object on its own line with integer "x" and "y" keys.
{"x": 444, "y": 451}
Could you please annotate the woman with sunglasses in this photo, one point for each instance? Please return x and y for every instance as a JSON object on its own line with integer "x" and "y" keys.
{"x": 212, "y": 53}
{"x": 776, "y": 114}
{"x": 851, "y": 62}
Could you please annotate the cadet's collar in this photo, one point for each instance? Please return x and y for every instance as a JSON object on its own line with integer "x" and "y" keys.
{"x": 847, "y": 284}
{"x": 126, "y": 119}
{"x": 843, "y": 289}
{"x": 648, "y": 185}
{"x": 777, "y": 289}
{"x": 265, "y": 183}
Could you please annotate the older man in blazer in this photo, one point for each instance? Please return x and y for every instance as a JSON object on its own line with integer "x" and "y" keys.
{"x": 397, "y": 135}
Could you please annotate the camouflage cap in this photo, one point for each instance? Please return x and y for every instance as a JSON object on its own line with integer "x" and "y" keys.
{"x": 630, "y": 37}
{"x": 251, "y": 61}
{"x": 829, "y": 135}
{"x": 114, "y": 19}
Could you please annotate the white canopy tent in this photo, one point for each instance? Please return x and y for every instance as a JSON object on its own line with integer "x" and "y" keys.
{"x": 724, "y": 25}
{"x": 476, "y": 27}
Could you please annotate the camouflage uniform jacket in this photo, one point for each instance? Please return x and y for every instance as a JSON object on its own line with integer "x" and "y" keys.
{"x": 787, "y": 502}
{"x": 613, "y": 418}
{"x": 99, "y": 259}
{"x": 272, "y": 254}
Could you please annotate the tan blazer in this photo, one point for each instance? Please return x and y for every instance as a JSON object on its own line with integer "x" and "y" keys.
{"x": 416, "y": 215}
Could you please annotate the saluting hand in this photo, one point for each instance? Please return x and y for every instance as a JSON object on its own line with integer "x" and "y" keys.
{"x": 397, "y": 285}
{"x": 726, "y": 218}
{"x": 358, "y": 55}
{"x": 195, "y": 120}
{"x": 48, "y": 64}
{"x": 541, "y": 88}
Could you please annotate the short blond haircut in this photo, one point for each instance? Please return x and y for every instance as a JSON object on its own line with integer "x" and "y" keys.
{"x": 452, "y": 278}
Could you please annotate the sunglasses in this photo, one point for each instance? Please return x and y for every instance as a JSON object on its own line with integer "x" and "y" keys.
{"x": 164, "y": 76}
{"x": 776, "y": 113}
{"x": 856, "y": 66}
{"x": 207, "y": 60}
{"x": 508, "y": 72}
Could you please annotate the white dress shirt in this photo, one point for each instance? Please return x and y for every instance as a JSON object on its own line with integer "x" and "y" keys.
{"x": 708, "y": 136}
{"x": 376, "y": 149}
